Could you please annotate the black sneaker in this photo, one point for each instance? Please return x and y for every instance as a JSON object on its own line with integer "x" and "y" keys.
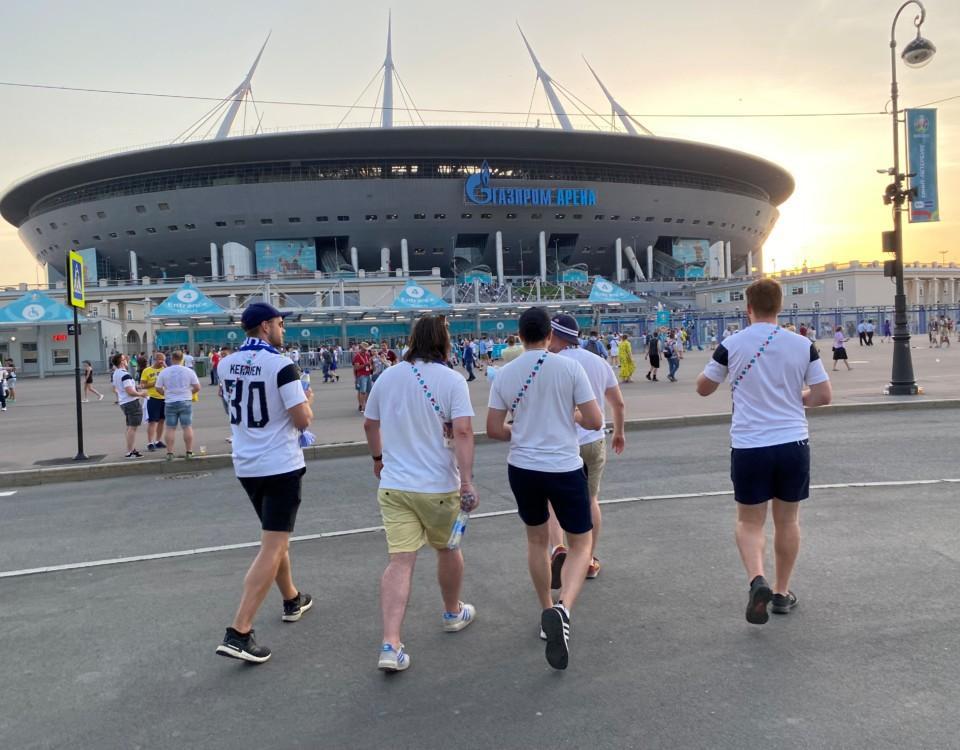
{"x": 555, "y": 624}
{"x": 160, "y": 444}
{"x": 242, "y": 647}
{"x": 783, "y": 603}
{"x": 760, "y": 596}
{"x": 151, "y": 447}
{"x": 134, "y": 454}
{"x": 557, "y": 559}
{"x": 293, "y": 609}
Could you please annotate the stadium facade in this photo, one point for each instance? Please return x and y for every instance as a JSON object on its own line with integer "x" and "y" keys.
{"x": 507, "y": 200}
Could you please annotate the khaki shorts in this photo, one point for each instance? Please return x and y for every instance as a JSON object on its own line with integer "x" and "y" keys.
{"x": 594, "y": 457}
{"x": 412, "y": 519}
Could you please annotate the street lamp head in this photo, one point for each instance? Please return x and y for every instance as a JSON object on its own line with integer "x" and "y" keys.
{"x": 918, "y": 52}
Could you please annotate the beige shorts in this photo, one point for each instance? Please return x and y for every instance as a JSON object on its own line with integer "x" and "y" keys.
{"x": 594, "y": 457}
{"x": 412, "y": 519}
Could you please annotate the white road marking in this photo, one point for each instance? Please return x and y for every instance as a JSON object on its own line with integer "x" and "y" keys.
{"x": 8, "y": 493}
{"x": 372, "y": 529}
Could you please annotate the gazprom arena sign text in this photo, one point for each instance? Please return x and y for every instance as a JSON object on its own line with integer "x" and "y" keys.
{"x": 477, "y": 190}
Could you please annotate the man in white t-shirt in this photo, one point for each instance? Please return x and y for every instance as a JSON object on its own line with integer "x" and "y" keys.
{"x": 187, "y": 359}
{"x": 420, "y": 434}
{"x": 546, "y": 396}
{"x": 128, "y": 396}
{"x": 177, "y": 384}
{"x": 593, "y": 445}
{"x": 773, "y": 373}
{"x": 268, "y": 409}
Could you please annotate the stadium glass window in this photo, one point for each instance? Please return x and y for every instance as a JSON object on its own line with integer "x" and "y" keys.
{"x": 220, "y": 223}
{"x": 343, "y": 217}
{"x": 151, "y": 230}
{"x": 131, "y": 233}
{"x": 723, "y": 224}
{"x": 101, "y": 214}
{"x": 39, "y": 230}
{"x": 190, "y": 226}
{"x": 392, "y": 217}
{"x": 680, "y": 221}
{"x": 419, "y": 251}
{"x": 615, "y": 217}
{"x": 466, "y": 216}
{"x": 84, "y": 217}
{"x": 695, "y": 221}
{"x": 114, "y": 235}
{"x": 294, "y": 220}
{"x": 141, "y": 209}
{"x": 711, "y": 223}
{"x": 486, "y": 216}
{"x": 598, "y": 217}
{"x": 536, "y": 216}
{"x": 511, "y": 216}
{"x": 634, "y": 218}
{"x": 578, "y": 216}
{"x": 559, "y": 216}
{"x": 163, "y": 206}
{"x": 439, "y": 216}
{"x": 266, "y": 221}
{"x": 650, "y": 218}
{"x": 438, "y": 251}
{"x": 97, "y": 237}
{"x": 173, "y": 227}
{"x": 667, "y": 220}
{"x": 75, "y": 242}
{"x": 322, "y": 218}
{"x": 239, "y": 222}
{"x": 757, "y": 213}
{"x": 370, "y": 217}
{"x": 53, "y": 225}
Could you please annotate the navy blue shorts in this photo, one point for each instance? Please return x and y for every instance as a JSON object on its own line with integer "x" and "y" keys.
{"x": 155, "y": 409}
{"x": 276, "y": 499}
{"x": 565, "y": 491}
{"x": 775, "y": 471}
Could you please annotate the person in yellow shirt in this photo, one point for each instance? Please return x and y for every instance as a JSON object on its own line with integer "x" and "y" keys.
{"x": 155, "y": 403}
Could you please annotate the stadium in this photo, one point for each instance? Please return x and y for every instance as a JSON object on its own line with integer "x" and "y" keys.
{"x": 555, "y": 203}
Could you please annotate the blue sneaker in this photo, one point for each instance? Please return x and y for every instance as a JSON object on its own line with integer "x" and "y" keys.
{"x": 455, "y": 621}
{"x": 393, "y": 660}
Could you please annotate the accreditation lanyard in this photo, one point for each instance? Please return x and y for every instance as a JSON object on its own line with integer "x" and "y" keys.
{"x": 527, "y": 382}
{"x": 427, "y": 391}
{"x": 755, "y": 359}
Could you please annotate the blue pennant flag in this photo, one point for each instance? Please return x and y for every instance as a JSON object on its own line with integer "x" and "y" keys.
{"x": 606, "y": 291}
{"x": 186, "y": 301}
{"x": 415, "y": 297}
{"x": 35, "y": 308}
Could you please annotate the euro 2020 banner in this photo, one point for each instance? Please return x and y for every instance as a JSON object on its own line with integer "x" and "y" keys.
{"x": 922, "y": 152}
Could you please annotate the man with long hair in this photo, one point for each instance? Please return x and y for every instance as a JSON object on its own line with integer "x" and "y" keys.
{"x": 420, "y": 434}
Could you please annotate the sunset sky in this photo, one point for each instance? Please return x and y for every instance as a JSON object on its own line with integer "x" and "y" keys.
{"x": 666, "y": 62}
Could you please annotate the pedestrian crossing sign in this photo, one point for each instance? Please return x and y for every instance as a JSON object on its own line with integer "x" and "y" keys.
{"x": 75, "y": 279}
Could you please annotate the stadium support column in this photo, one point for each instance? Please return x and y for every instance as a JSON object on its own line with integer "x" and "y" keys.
{"x": 649, "y": 262}
{"x": 148, "y": 344}
{"x": 354, "y": 259}
{"x": 727, "y": 269}
{"x": 404, "y": 257}
{"x": 543, "y": 256}
{"x": 385, "y": 259}
{"x": 499, "y": 236}
{"x": 214, "y": 261}
{"x": 134, "y": 275}
{"x": 749, "y": 263}
{"x": 618, "y": 258}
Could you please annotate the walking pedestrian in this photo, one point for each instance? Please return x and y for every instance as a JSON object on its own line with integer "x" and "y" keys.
{"x": 512, "y": 350}
{"x": 886, "y": 331}
{"x": 773, "y": 375}
{"x": 268, "y": 410}
{"x": 594, "y": 344}
{"x": 420, "y": 434}
{"x": 839, "y": 350}
{"x": 88, "y": 382}
{"x": 862, "y": 332}
{"x": 4, "y": 379}
{"x": 11, "y": 380}
{"x": 469, "y": 359}
{"x": 625, "y": 357}
{"x": 546, "y": 396}
{"x": 672, "y": 355}
{"x": 128, "y": 396}
{"x": 214, "y": 362}
{"x": 156, "y": 413}
{"x": 363, "y": 374}
{"x": 592, "y": 443}
{"x": 653, "y": 356}
{"x": 868, "y": 330}
{"x": 178, "y": 385}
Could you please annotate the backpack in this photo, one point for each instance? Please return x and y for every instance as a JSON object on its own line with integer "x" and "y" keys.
{"x": 594, "y": 346}
{"x": 668, "y": 351}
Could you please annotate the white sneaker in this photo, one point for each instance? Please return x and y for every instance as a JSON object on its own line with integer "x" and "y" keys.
{"x": 101, "y": 397}
{"x": 455, "y": 621}
{"x": 393, "y": 660}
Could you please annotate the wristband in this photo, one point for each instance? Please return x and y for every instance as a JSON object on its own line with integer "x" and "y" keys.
{"x": 378, "y": 458}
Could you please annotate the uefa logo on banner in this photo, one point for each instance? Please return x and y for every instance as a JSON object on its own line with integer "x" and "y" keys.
{"x": 414, "y": 291}
{"x": 188, "y": 296}
{"x": 605, "y": 286}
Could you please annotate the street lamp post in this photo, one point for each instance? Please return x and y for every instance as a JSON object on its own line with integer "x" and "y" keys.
{"x": 916, "y": 54}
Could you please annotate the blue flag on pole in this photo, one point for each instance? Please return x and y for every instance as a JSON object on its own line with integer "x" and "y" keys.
{"x": 922, "y": 152}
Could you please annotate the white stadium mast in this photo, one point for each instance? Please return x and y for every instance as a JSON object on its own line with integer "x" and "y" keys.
{"x": 548, "y": 89}
{"x": 386, "y": 119}
{"x": 239, "y": 94}
{"x": 619, "y": 111}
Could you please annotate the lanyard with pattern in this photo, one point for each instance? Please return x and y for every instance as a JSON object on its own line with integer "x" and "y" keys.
{"x": 753, "y": 360}
{"x": 427, "y": 391}
{"x": 527, "y": 383}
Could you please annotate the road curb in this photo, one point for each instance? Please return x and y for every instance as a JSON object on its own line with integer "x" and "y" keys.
{"x": 161, "y": 467}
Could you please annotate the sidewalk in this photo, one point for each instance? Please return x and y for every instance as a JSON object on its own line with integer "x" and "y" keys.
{"x": 40, "y": 425}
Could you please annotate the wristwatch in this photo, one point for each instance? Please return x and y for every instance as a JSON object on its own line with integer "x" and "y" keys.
{"x": 378, "y": 458}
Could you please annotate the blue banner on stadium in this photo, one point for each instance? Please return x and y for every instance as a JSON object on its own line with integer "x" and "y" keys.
{"x": 35, "y": 307}
{"x": 922, "y": 154}
{"x": 186, "y": 301}
{"x": 415, "y": 297}
{"x": 604, "y": 292}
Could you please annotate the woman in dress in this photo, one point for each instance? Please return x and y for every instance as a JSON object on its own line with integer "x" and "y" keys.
{"x": 839, "y": 351}
{"x": 653, "y": 354}
{"x": 625, "y": 357}
{"x": 88, "y": 382}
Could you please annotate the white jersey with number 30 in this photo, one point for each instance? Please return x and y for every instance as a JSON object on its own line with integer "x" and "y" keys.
{"x": 259, "y": 386}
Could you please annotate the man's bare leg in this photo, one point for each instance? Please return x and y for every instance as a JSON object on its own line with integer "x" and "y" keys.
{"x": 538, "y": 561}
{"x": 786, "y": 542}
{"x": 394, "y": 593}
{"x": 260, "y": 576}
{"x": 450, "y": 577}
{"x": 751, "y": 540}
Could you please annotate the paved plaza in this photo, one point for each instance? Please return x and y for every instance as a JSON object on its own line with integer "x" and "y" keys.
{"x": 120, "y": 655}
{"x": 44, "y": 414}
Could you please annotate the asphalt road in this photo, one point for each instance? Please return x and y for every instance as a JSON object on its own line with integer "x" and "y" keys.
{"x": 121, "y": 656}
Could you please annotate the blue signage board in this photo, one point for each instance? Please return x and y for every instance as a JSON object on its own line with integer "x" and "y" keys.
{"x": 415, "y": 296}
{"x": 922, "y": 153}
{"x": 478, "y": 190}
{"x": 482, "y": 276}
{"x": 605, "y": 292}
{"x": 187, "y": 300}
{"x": 574, "y": 276}
{"x": 663, "y": 317}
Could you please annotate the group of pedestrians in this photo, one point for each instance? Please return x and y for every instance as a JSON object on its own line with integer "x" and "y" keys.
{"x": 8, "y": 383}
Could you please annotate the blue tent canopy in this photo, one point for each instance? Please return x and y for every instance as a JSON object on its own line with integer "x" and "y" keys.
{"x": 35, "y": 308}
{"x": 416, "y": 297}
{"x": 187, "y": 301}
{"x": 606, "y": 291}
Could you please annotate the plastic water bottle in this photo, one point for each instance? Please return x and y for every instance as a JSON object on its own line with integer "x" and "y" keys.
{"x": 458, "y": 530}
{"x": 305, "y": 380}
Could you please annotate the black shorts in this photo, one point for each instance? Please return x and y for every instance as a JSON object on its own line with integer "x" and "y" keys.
{"x": 275, "y": 498}
{"x": 839, "y": 353}
{"x": 156, "y": 409}
{"x": 565, "y": 491}
{"x": 775, "y": 471}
